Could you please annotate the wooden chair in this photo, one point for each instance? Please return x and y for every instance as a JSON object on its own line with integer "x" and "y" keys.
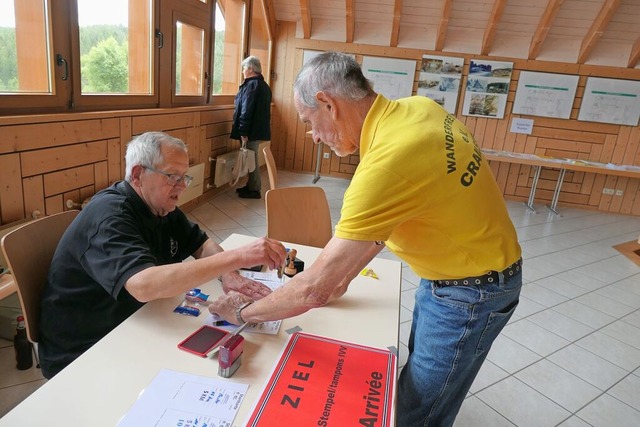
{"x": 28, "y": 251}
{"x": 299, "y": 215}
{"x": 271, "y": 167}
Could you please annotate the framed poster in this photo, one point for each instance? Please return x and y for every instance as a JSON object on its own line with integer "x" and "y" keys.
{"x": 611, "y": 101}
{"x": 391, "y": 77}
{"x": 440, "y": 80}
{"x": 487, "y": 88}
{"x": 545, "y": 94}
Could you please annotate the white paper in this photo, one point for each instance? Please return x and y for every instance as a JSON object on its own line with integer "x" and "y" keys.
{"x": 519, "y": 125}
{"x": 176, "y": 399}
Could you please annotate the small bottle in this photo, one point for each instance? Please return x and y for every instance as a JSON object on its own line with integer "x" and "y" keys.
{"x": 22, "y": 346}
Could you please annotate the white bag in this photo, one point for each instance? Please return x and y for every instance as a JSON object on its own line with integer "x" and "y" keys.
{"x": 245, "y": 163}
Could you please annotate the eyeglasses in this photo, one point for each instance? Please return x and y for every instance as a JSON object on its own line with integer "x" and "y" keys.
{"x": 172, "y": 179}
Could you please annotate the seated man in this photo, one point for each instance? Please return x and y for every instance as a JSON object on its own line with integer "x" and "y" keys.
{"x": 125, "y": 248}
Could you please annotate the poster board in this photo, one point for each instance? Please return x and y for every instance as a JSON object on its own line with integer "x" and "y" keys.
{"x": 545, "y": 94}
{"x": 391, "y": 77}
{"x": 487, "y": 88}
{"x": 440, "y": 80}
{"x": 322, "y": 381}
{"x": 611, "y": 101}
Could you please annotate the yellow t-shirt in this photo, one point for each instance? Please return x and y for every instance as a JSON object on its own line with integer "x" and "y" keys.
{"x": 424, "y": 187}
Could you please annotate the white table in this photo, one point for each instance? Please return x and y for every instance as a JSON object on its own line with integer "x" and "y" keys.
{"x": 102, "y": 385}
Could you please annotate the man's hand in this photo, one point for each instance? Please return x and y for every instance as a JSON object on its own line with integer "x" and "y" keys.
{"x": 250, "y": 288}
{"x": 264, "y": 251}
{"x": 225, "y": 306}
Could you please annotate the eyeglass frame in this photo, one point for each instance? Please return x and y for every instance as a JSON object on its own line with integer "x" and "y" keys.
{"x": 172, "y": 178}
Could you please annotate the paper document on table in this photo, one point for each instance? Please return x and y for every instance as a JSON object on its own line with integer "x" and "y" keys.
{"x": 268, "y": 278}
{"x": 180, "y": 399}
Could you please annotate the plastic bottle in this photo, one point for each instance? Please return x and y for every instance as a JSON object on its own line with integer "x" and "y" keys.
{"x": 22, "y": 346}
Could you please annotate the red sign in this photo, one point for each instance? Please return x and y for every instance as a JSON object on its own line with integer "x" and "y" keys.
{"x": 320, "y": 381}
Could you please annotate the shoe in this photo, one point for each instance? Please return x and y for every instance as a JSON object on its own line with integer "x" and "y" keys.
{"x": 250, "y": 194}
{"x": 241, "y": 189}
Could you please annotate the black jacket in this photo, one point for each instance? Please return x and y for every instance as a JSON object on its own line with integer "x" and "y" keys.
{"x": 252, "y": 116}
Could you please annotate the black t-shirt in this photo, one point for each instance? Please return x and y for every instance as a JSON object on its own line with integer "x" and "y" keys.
{"x": 114, "y": 237}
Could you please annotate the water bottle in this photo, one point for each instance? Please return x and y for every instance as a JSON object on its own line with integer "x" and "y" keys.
{"x": 22, "y": 346}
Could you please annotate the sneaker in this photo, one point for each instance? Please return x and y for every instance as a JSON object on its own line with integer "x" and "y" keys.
{"x": 249, "y": 194}
{"x": 241, "y": 189}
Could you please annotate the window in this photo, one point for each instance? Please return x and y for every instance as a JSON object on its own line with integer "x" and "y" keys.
{"x": 115, "y": 40}
{"x": 82, "y": 55}
{"x": 228, "y": 48}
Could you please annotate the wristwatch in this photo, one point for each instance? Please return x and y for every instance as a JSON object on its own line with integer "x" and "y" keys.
{"x": 239, "y": 312}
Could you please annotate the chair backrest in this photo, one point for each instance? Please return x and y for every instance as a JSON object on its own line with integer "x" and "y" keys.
{"x": 271, "y": 167}
{"x": 28, "y": 250}
{"x": 299, "y": 215}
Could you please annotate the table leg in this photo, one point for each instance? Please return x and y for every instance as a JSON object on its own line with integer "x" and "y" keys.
{"x": 556, "y": 192}
{"x": 316, "y": 177}
{"x": 534, "y": 185}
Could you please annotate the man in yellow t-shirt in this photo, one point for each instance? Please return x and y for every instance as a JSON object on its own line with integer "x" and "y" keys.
{"x": 423, "y": 188}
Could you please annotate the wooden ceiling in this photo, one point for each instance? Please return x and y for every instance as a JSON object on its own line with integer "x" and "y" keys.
{"x": 599, "y": 32}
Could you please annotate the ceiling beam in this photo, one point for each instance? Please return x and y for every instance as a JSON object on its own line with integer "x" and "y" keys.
{"x": 395, "y": 28}
{"x": 270, "y": 17}
{"x": 550, "y": 12}
{"x": 305, "y": 17}
{"x": 634, "y": 57}
{"x": 597, "y": 29}
{"x": 492, "y": 26}
{"x": 351, "y": 20}
{"x": 444, "y": 22}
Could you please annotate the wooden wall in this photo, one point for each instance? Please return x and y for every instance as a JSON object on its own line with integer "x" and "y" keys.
{"x": 550, "y": 137}
{"x": 47, "y": 160}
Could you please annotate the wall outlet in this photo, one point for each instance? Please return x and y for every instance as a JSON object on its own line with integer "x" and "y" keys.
{"x": 619, "y": 192}
{"x": 326, "y": 155}
{"x": 607, "y": 191}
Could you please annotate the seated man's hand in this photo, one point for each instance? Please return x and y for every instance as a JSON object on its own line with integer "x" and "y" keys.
{"x": 250, "y": 288}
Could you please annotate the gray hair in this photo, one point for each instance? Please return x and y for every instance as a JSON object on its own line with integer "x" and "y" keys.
{"x": 252, "y": 63}
{"x": 335, "y": 73}
{"x": 146, "y": 149}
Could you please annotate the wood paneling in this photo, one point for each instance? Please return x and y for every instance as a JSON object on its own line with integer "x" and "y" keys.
{"x": 550, "y": 137}
{"x": 46, "y": 160}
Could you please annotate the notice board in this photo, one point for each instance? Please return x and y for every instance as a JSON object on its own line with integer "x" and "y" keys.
{"x": 440, "y": 80}
{"x": 545, "y": 94}
{"x": 319, "y": 381}
{"x": 391, "y": 77}
{"x": 487, "y": 88}
{"x": 611, "y": 101}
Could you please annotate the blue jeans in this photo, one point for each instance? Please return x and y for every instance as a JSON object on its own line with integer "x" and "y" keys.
{"x": 452, "y": 331}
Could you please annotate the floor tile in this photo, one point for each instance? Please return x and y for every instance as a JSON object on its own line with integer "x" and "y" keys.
{"x": 611, "y": 349}
{"x": 489, "y": 374}
{"x": 608, "y": 411}
{"x": 511, "y": 356}
{"x": 584, "y": 314}
{"x": 628, "y": 391}
{"x": 536, "y": 410}
{"x": 559, "y": 385}
{"x": 560, "y": 324}
{"x": 588, "y": 366}
{"x": 534, "y": 337}
{"x": 476, "y": 413}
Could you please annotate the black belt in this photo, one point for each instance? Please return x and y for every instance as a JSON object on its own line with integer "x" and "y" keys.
{"x": 490, "y": 277}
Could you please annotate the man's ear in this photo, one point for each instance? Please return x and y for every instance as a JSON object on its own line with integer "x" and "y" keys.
{"x": 327, "y": 102}
{"x": 136, "y": 171}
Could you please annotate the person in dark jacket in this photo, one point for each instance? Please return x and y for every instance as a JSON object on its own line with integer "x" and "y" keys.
{"x": 252, "y": 119}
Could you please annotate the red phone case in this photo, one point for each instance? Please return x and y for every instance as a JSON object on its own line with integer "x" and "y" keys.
{"x": 203, "y": 340}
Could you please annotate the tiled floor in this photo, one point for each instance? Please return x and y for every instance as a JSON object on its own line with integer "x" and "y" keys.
{"x": 569, "y": 357}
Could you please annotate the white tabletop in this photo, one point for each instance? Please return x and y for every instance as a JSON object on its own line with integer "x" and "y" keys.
{"x": 102, "y": 385}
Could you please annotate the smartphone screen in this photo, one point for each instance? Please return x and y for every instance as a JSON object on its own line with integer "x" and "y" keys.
{"x": 203, "y": 340}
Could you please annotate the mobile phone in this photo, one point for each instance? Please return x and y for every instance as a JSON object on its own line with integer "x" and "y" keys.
{"x": 254, "y": 268}
{"x": 202, "y": 341}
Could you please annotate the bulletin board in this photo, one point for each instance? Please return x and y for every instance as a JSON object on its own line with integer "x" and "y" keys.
{"x": 545, "y": 94}
{"x": 440, "y": 80}
{"x": 487, "y": 88}
{"x": 611, "y": 101}
{"x": 391, "y": 77}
